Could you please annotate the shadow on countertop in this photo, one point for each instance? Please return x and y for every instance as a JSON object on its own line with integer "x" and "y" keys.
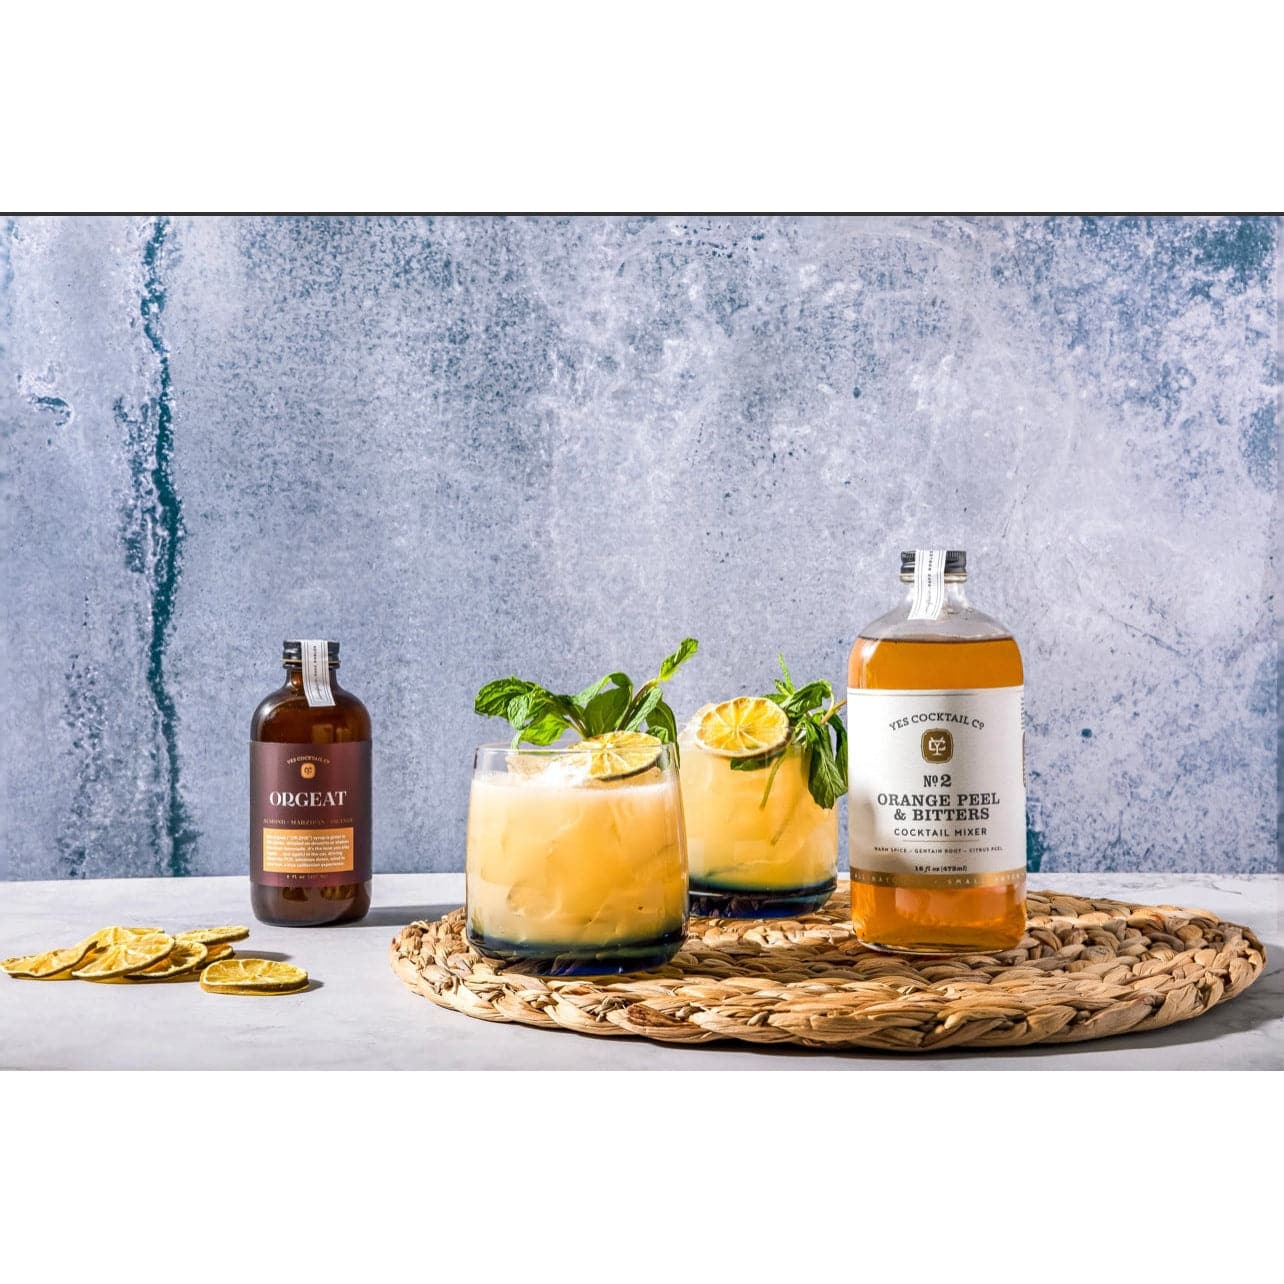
{"x": 400, "y": 915}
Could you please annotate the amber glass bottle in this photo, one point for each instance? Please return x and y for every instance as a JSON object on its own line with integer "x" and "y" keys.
{"x": 310, "y": 858}
{"x": 936, "y": 806}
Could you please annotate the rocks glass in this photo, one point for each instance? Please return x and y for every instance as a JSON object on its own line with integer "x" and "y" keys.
{"x": 757, "y": 850}
{"x": 572, "y": 874}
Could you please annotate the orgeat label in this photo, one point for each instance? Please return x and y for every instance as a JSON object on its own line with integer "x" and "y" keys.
{"x": 309, "y": 814}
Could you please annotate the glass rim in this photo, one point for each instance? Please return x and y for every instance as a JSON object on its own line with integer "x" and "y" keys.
{"x": 788, "y": 747}
{"x": 575, "y": 746}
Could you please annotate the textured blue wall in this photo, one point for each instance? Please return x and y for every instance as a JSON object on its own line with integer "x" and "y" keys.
{"x": 554, "y": 446}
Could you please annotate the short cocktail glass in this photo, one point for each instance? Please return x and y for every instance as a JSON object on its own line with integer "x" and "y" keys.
{"x": 751, "y": 858}
{"x": 568, "y": 874}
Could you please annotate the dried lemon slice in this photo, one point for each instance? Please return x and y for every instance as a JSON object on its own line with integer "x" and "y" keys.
{"x": 108, "y": 936}
{"x": 186, "y": 956}
{"x": 130, "y": 955}
{"x": 620, "y": 754}
{"x": 212, "y": 955}
{"x": 253, "y": 976}
{"x": 213, "y": 935}
{"x": 746, "y": 727}
{"x": 52, "y": 965}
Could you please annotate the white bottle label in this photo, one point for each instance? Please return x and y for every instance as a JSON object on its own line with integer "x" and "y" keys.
{"x": 316, "y": 673}
{"x": 929, "y": 584}
{"x": 936, "y": 787}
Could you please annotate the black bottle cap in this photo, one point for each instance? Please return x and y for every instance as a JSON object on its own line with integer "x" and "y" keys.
{"x": 292, "y": 652}
{"x": 955, "y": 562}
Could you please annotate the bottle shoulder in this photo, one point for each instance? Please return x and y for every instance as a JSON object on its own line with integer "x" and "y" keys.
{"x": 284, "y": 716}
{"x": 954, "y": 624}
{"x": 965, "y": 650}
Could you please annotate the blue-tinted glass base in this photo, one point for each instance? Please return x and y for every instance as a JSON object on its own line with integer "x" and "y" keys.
{"x": 578, "y": 960}
{"x": 783, "y": 902}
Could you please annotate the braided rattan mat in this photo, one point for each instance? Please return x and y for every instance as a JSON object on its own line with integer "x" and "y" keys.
{"x": 1086, "y": 968}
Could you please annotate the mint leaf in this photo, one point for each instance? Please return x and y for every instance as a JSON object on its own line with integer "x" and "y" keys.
{"x": 539, "y": 716}
{"x": 839, "y": 728}
{"x": 641, "y": 709}
{"x": 605, "y": 709}
{"x": 544, "y": 731}
{"x": 671, "y": 663}
{"x": 581, "y": 700}
{"x": 826, "y": 781}
{"x": 494, "y": 698}
{"x": 662, "y": 725}
{"x": 805, "y": 699}
{"x": 817, "y": 729}
{"x": 527, "y": 707}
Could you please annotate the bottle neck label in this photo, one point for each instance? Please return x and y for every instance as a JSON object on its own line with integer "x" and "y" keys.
{"x": 929, "y": 584}
{"x": 316, "y": 674}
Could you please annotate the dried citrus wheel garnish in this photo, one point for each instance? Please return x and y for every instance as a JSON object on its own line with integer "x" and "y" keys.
{"x": 212, "y": 955}
{"x": 213, "y": 935}
{"x": 130, "y": 955}
{"x": 52, "y": 965}
{"x": 746, "y": 727}
{"x": 253, "y": 976}
{"x": 108, "y": 936}
{"x": 620, "y": 754}
{"x": 186, "y": 956}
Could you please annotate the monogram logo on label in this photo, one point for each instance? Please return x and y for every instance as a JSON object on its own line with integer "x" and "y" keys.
{"x": 308, "y": 770}
{"x": 938, "y": 745}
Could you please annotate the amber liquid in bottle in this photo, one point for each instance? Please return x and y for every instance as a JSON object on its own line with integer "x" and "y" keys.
{"x": 938, "y": 919}
{"x": 286, "y": 718}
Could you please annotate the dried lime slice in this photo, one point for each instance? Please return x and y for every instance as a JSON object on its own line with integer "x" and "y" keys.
{"x": 746, "y": 727}
{"x": 185, "y": 957}
{"x": 131, "y": 955}
{"x": 213, "y": 935}
{"x": 620, "y": 754}
{"x": 108, "y": 936}
{"x": 213, "y": 953}
{"x": 253, "y": 976}
{"x": 52, "y": 965}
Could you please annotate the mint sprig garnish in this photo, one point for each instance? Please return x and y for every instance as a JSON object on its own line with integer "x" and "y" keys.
{"x": 814, "y": 727}
{"x": 539, "y": 716}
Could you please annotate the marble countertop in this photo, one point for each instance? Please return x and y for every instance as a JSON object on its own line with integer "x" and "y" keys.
{"x": 359, "y": 1016}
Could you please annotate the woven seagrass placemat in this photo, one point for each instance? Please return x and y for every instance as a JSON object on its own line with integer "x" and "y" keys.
{"x": 1086, "y": 969}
